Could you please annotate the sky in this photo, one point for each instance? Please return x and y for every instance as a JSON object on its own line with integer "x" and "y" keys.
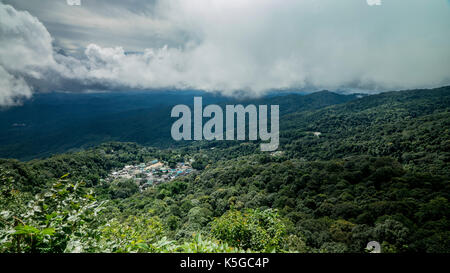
{"x": 226, "y": 46}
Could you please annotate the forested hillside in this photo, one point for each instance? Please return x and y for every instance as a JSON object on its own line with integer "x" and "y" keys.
{"x": 58, "y": 123}
{"x": 348, "y": 171}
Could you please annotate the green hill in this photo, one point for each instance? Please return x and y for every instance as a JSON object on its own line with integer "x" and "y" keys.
{"x": 378, "y": 171}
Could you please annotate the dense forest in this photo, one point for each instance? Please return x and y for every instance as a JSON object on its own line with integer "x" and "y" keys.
{"x": 56, "y": 123}
{"x": 378, "y": 171}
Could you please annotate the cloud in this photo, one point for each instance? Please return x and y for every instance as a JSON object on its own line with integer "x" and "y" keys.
{"x": 74, "y": 2}
{"x": 133, "y": 24}
{"x": 227, "y": 46}
{"x": 25, "y": 51}
{"x": 12, "y": 89}
{"x": 374, "y": 2}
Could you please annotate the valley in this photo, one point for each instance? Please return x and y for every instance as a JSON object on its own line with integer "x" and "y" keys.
{"x": 351, "y": 171}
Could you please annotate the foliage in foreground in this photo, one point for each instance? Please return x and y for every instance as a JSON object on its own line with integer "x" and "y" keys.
{"x": 251, "y": 229}
{"x": 56, "y": 220}
{"x": 67, "y": 218}
{"x": 379, "y": 171}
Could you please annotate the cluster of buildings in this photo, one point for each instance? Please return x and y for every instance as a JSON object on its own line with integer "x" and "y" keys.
{"x": 151, "y": 173}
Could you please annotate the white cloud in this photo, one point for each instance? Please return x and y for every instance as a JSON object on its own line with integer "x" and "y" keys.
{"x": 260, "y": 45}
{"x": 235, "y": 45}
{"x": 74, "y": 2}
{"x": 25, "y": 51}
{"x": 25, "y": 42}
{"x": 12, "y": 89}
{"x": 374, "y": 2}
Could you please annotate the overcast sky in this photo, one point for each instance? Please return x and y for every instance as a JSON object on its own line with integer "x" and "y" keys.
{"x": 222, "y": 45}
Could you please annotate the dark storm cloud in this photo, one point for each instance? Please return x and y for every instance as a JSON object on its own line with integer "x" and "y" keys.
{"x": 135, "y": 23}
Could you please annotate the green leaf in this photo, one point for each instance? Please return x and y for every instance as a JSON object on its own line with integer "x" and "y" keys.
{"x": 30, "y": 230}
{"x": 48, "y": 231}
{"x": 64, "y": 176}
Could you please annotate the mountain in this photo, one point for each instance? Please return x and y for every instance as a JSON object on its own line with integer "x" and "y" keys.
{"x": 411, "y": 126}
{"x": 58, "y": 122}
{"x": 378, "y": 171}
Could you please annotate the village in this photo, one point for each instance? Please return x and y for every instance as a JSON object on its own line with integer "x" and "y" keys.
{"x": 149, "y": 174}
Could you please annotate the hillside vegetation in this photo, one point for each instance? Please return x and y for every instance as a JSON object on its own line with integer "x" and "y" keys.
{"x": 378, "y": 171}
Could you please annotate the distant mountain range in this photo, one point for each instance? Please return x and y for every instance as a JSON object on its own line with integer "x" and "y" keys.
{"x": 60, "y": 122}
{"x": 349, "y": 169}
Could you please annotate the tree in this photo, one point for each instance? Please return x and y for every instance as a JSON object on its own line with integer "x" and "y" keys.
{"x": 61, "y": 219}
{"x": 252, "y": 229}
